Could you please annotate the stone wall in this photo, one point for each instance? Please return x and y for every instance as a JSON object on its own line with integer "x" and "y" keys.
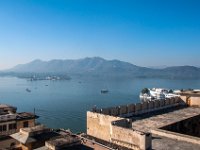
{"x": 98, "y": 125}
{"x": 116, "y": 130}
{"x": 110, "y": 125}
{"x": 194, "y": 101}
{"x": 191, "y": 100}
{"x": 130, "y": 138}
{"x": 125, "y": 123}
{"x": 140, "y": 108}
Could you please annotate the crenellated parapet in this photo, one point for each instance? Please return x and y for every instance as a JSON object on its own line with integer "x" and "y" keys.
{"x": 141, "y": 108}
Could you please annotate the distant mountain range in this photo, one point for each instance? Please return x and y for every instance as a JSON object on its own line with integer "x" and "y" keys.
{"x": 97, "y": 66}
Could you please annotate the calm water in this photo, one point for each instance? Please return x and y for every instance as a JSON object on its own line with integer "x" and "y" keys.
{"x": 63, "y": 104}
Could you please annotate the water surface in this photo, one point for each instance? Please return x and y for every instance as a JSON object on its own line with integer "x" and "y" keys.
{"x": 63, "y": 104}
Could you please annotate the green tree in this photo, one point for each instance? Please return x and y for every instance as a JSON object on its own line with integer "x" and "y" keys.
{"x": 145, "y": 91}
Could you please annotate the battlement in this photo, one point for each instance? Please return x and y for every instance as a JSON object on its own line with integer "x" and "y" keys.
{"x": 141, "y": 108}
{"x": 131, "y": 125}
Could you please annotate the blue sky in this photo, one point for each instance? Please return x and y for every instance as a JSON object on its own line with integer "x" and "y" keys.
{"x": 143, "y": 32}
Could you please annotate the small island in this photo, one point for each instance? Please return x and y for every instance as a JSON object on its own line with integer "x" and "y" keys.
{"x": 49, "y": 77}
{"x": 33, "y": 76}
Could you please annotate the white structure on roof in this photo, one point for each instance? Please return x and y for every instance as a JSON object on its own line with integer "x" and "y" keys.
{"x": 157, "y": 93}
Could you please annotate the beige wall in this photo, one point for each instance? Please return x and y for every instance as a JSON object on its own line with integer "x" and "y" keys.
{"x": 130, "y": 138}
{"x": 191, "y": 100}
{"x": 194, "y": 101}
{"x": 101, "y": 126}
{"x": 98, "y": 125}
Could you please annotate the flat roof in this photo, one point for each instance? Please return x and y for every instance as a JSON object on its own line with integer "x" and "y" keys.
{"x": 22, "y": 138}
{"x": 67, "y": 140}
{"x": 6, "y": 106}
{"x": 35, "y": 128}
{"x": 7, "y": 117}
{"x": 161, "y": 143}
{"x": 158, "y": 121}
{"x": 17, "y": 116}
{"x": 190, "y": 93}
{"x": 25, "y": 138}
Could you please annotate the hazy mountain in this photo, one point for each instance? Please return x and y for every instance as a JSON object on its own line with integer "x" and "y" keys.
{"x": 86, "y": 65}
{"x": 100, "y": 67}
{"x": 158, "y": 67}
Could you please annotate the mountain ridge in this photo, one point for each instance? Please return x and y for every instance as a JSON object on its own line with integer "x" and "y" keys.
{"x": 101, "y": 67}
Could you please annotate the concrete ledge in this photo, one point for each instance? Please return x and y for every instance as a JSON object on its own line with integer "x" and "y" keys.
{"x": 176, "y": 136}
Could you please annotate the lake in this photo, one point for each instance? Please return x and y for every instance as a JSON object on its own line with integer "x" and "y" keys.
{"x": 63, "y": 104}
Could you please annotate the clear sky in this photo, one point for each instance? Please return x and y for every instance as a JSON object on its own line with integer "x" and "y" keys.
{"x": 143, "y": 32}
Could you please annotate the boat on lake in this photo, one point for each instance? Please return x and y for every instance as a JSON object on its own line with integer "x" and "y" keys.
{"x": 28, "y": 90}
{"x": 103, "y": 91}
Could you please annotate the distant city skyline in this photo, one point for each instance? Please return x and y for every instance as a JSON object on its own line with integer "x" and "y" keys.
{"x": 144, "y": 33}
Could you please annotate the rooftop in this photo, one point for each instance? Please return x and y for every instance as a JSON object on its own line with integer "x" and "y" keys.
{"x": 164, "y": 143}
{"x": 6, "y": 109}
{"x": 6, "y": 106}
{"x": 16, "y": 116}
{"x": 33, "y": 134}
{"x": 68, "y": 141}
{"x": 195, "y": 93}
{"x": 63, "y": 142}
{"x": 39, "y": 128}
{"x": 173, "y": 123}
{"x": 161, "y": 120}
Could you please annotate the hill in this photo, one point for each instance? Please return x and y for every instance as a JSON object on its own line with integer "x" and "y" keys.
{"x": 97, "y": 66}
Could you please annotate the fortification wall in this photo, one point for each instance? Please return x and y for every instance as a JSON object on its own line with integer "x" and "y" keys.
{"x": 194, "y": 101}
{"x": 191, "y": 100}
{"x": 98, "y": 125}
{"x": 140, "y": 108}
{"x": 116, "y": 130}
{"x": 130, "y": 138}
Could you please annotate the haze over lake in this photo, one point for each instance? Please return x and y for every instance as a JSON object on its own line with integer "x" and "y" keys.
{"x": 63, "y": 104}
